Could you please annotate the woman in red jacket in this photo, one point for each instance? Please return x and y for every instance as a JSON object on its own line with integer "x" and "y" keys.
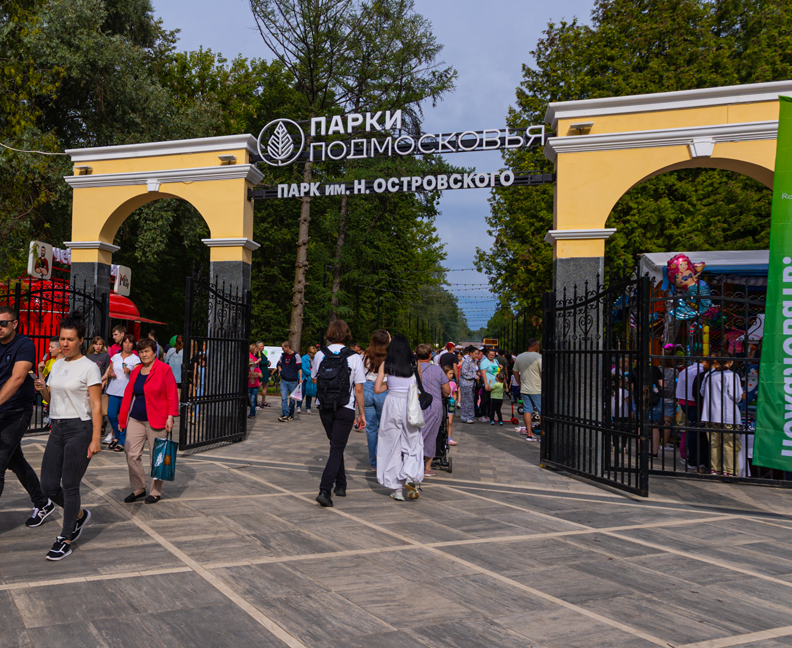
{"x": 147, "y": 410}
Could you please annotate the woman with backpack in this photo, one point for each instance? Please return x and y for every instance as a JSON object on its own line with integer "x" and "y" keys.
{"x": 339, "y": 376}
{"x": 400, "y": 448}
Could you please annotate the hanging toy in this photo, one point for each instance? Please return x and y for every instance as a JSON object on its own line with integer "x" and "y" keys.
{"x": 690, "y": 293}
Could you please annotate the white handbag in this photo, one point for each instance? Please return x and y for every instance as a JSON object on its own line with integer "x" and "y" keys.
{"x": 415, "y": 415}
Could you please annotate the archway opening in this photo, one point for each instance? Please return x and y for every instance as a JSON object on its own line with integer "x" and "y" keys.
{"x": 161, "y": 243}
{"x": 689, "y": 209}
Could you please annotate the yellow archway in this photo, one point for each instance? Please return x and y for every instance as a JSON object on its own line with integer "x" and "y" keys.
{"x": 213, "y": 174}
{"x": 604, "y": 147}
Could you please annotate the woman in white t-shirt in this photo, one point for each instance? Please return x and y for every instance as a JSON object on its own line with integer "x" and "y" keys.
{"x": 400, "y": 448}
{"x": 117, "y": 375}
{"x": 74, "y": 392}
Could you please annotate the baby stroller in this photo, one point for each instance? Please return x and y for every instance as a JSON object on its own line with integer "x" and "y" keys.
{"x": 441, "y": 459}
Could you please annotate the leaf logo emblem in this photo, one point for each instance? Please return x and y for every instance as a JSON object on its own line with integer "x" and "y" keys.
{"x": 280, "y": 144}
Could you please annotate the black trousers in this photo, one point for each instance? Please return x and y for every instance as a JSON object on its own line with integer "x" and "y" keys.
{"x": 485, "y": 402}
{"x": 12, "y": 428}
{"x": 64, "y": 464}
{"x": 495, "y": 408}
{"x": 337, "y": 426}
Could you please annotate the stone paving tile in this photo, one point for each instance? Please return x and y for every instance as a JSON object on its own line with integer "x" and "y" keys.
{"x": 12, "y": 627}
{"x": 322, "y": 617}
{"x": 116, "y": 633}
{"x": 565, "y": 628}
{"x": 395, "y": 639}
{"x": 215, "y": 626}
{"x": 470, "y": 633}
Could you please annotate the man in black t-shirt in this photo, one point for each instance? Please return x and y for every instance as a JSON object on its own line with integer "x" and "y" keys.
{"x": 17, "y": 394}
{"x": 449, "y": 359}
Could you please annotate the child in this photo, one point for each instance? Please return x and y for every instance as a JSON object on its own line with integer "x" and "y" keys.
{"x": 452, "y": 399}
{"x": 515, "y": 389}
{"x": 620, "y": 401}
{"x": 496, "y": 397}
{"x": 254, "y": 381}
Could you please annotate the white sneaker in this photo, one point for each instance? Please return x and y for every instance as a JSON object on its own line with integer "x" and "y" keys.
{"x": 308, "y": 411}
{"x": 298, "y": 410}
{"x": 108, "y": 439}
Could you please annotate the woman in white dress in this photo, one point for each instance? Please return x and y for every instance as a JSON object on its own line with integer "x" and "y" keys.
{"x": 400, "y": 462}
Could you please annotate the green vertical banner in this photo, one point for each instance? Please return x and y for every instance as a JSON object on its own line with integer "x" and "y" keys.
{"x": 773, "y": 440}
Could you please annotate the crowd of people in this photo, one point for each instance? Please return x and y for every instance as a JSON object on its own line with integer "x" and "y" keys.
{"x": 697, "y": 408}
{"x": 128, "y": 383}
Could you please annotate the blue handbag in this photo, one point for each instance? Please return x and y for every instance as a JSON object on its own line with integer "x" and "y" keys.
{"x": 163, "y": 459}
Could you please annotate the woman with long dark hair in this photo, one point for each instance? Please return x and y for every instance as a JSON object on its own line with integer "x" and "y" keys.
{"x": 400, "y": 461}
{"x": 74, "y": 392}
{"x": 373, "y": 357}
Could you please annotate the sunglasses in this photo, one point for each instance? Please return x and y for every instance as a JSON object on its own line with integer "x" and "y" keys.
{"x": 4, "y": 323}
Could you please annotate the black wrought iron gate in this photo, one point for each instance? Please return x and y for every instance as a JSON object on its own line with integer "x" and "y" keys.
{"x": 215, "y": 366}
{"x": 593, "y": 423}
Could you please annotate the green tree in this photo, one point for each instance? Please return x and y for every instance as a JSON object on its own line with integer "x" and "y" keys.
{"x": 634, "y": 47}
{"x": 344, "y": 55}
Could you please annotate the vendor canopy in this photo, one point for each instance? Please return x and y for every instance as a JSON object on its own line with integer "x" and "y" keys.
{"x": 740, "y": 263}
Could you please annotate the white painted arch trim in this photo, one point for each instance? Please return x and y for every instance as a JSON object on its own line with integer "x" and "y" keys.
{"x": 92, "y": 245}
{"x": 743, "y": 132}
{"x": 579, "y": 234}
{"x": 699, "y": 98}
{"x": 173, "y": 147}
{"x": 201, "y": 174}
{"x": 232, "y": 242}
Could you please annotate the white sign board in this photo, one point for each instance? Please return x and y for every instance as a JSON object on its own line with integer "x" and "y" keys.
{"x": 40, "y": 260}
{"x": 123, "y": 281}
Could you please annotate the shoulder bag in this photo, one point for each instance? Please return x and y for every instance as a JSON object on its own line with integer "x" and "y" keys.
{"x": 424, "y": 397}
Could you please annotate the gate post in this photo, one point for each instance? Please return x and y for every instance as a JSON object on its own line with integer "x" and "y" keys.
{"x": 90, "y": 271}
{"x": 644, "y": 294}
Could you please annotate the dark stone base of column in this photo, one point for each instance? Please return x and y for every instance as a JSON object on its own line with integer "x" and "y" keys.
{"x": 568, "y": 273}
{"x": 92, "y": 277}
{"x": 235, "y": 274}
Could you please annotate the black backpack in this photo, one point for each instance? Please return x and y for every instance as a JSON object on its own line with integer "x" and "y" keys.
{"x": 333, "y": 380}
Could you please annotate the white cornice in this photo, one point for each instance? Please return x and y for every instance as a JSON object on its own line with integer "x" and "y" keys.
{"x": 201, "y": 174}
{"x": 231, "y": 242}
{"x": 91, "y": 245}
{"x": 750, "y": 93}
{"x": 579, "y": 234}
{"x": 174, "y": 147}
{"x": 747, "y": 131}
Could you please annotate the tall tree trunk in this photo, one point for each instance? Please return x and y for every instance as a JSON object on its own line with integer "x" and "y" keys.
{"x": 342, "y": 226}
{"x": 301, "y": 266}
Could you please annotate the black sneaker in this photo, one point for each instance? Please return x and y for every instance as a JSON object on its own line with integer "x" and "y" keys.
{"x": 283, "y": 418}
{"x": 340, "y": 491}
{"x": 59, "y": 550}
{"x": 291, "y": 417}
{"x": 81, "y": 522}
{"x": 324, "y": 498}
{"x": 40, "y": 514}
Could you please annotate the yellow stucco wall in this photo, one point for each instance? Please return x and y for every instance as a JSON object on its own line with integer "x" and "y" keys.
{"x": 98, "y": 212}
{"x": 589, "y": 184}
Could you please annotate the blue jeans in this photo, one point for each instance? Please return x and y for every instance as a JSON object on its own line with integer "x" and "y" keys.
{"x": 252, "y": 394}
{"x": 287, "y": 404}
{"x": 373, "y": 410}
{"x": 113, "y": 407}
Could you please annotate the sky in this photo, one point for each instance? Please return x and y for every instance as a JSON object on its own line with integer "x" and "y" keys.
{"x": 486, "y": 43}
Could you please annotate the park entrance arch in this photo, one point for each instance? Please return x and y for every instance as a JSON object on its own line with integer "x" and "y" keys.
{"x": 215, "y": 175}
{"x": 602, "y": 148}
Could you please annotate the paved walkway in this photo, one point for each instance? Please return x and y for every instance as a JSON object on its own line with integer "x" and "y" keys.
{"x": 499, "y": 554}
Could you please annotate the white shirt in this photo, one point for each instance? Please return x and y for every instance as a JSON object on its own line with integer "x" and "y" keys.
{"x": 399, "y": 384}
{"x": 685, "y": 380}
{"x": 354, "y": 362}
{"x": 68, "y": 384}
{"x": 117, "y": 385}
{"x": 721, "y": 392}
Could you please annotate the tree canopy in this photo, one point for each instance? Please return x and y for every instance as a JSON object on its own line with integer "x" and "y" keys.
{"x": 635, "y": 47}
{"x": 76, "y": 73}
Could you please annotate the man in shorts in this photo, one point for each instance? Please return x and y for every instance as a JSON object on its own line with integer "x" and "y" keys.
{"x": 528, "y": 372}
